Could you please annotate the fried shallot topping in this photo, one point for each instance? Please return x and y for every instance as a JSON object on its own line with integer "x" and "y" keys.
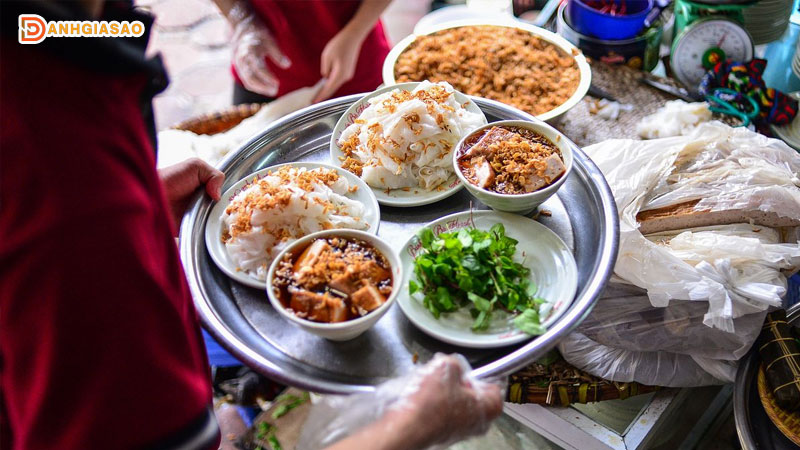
{"x": 500, "y": 63}
{"x": 511, "y": 161}
{"x": 271, "y": 195}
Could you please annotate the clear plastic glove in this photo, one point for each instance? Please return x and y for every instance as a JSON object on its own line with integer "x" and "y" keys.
{"x": 338, "y": 63}
{"x": 252, "y": 45}
{"x": 434, "y": 406}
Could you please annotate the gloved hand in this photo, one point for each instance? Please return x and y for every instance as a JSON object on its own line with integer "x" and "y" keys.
{"x": 252, "y": 44}
{"x": 433, "y": 406}
{"x": 447, "y": 405}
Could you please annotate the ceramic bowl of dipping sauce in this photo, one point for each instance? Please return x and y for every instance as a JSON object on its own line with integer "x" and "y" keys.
{"x": 513, "y": 165}
{"x": 335, "y": 284}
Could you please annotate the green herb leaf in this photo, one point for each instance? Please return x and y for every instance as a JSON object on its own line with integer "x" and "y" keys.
{"x": 274, "y": 443}
{"x": 480, "y": 303}
{"x": 444, "y": 300}
{"x": 465, "y": 238}
{"x": 499, "y": 230}
{"x": 413, "y": 287}
{"x": 452, "y": 242}
{"x": 476, "y": 269}
{"x": 528, "y": 322}
{"x": 477, "y": 246}
{"x": 470, "y": 262}
{"x": 442, "y": 270}
{"x": 465, "y": 282}
{"x": 425, "y": 236}
{"x": 288, "y": 403}
{"x": 482, "y": 321}
{"x": 531, "y": 289}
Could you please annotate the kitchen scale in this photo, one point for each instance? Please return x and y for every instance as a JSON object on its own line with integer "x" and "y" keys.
{"x": 707, "y": 32}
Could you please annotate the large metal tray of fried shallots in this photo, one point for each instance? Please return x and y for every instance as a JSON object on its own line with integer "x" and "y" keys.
{"x": 242, "y": 320}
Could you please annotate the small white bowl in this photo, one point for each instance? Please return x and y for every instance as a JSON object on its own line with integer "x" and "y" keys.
{"x": 518, "y": 203}
{"x": 340, "y": 331}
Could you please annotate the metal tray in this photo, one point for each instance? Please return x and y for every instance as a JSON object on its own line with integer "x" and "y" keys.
{"x": 754, "y": 427}
{"x": 241, "y": 319}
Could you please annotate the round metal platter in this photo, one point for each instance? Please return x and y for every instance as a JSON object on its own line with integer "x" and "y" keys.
{"x": 240, "y": 318}
{"x": 755, "y": 429}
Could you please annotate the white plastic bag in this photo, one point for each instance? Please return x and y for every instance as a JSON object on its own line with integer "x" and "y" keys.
{"x": 650, "y": 368}
{"x": 731, "y": 168}
{"x": 624, "y": 319}
{"x": 686, "y": 305}
{"x": 759, "y": 172}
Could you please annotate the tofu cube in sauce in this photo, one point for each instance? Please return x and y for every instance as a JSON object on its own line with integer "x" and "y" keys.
{"x": 510, "y": 160}
{"x": 333, "y": 280}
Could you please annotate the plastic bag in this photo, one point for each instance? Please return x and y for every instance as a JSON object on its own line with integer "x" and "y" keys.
{"x": 731, "y": 168}
{"x": 449, "y": 404}
{"x": 730, "y": 282}
{"x": 686, "y": 305}
{"x": 656, "y": 368}
{"x": 624, "y": 319}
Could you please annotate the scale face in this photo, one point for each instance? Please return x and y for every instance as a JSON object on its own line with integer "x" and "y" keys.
{"x": 697, "y": 39}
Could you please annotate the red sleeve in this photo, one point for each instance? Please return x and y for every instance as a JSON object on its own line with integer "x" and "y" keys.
{"x": 99, "y": 341}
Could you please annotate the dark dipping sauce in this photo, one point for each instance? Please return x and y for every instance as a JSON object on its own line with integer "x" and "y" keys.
{"x": 333, "y": 280}
{"x": 509, "y": 160}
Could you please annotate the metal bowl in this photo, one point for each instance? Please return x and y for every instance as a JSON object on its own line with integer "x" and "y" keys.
{"x": 554, "y": 39}
{"x": 240, "y": 318}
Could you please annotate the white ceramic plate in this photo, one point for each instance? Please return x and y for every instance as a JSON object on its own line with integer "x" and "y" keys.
{"x": 214, "y": 225}
{"x": 552, "y": 267}
{"x": 552, "y": 38}
{"x": 399, "y": 197}
{"x": 459, "y": 13}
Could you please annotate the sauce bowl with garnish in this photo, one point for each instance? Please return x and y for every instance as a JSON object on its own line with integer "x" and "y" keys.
{"x": 335, "y": 283}
{"x": 513, "y": 165}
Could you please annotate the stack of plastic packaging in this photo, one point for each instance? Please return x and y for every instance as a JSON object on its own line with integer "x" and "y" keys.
{"x": 685, "y": 304}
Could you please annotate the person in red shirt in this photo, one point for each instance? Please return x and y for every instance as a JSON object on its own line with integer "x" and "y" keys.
{"x": 283, "y": 45}
{"x": 100, "y": 346}
{"x": 99, "y": 341}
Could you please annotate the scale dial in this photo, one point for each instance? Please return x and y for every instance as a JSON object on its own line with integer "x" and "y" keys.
{"x": 696, "y": 39}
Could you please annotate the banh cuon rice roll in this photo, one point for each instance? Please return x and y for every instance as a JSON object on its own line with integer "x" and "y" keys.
{"x": 404, "y": 139}
{"x": 285, "y": 205}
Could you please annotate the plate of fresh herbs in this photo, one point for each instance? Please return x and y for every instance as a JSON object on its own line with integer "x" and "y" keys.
{"x": 486, "y": 279}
